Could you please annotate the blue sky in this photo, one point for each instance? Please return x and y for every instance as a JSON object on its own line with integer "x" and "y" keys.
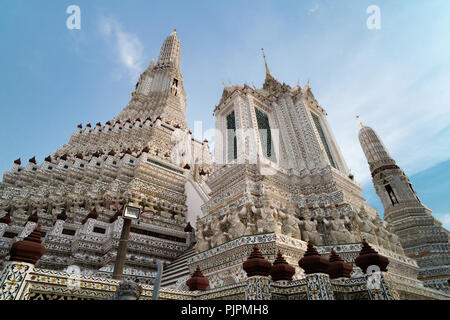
{"x": 395, "y": 78}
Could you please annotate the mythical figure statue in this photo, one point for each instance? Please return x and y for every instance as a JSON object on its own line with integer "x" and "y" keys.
{"x": 290, "y": 223}
{"x": 251, "y": 219}
{"x": 224, "y": 226}
{"x": 182, "y": 151}
{"x": 203, "y": 243}
{"x": 265, "y": 217}
{"x": 309, "y": 232}
{"x": 354, "y": 226}
{"x": 366, "y": 227}
{"x": 217, "y": 238}
{"x": 338, "y": 231}
{"x": 396, "y": 245}
{"x": 237, "y": 228}
{"x": 381, "y": 233}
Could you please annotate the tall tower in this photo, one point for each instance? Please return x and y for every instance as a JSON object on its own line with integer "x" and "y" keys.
{"x": 159, "y": 91}
{"x": 421, "y": 235}
{"x": 145, "y": 156}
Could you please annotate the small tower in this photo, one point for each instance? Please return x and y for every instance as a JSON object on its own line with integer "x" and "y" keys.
{"x": 421, "y": 235}
{"x": 392, "y": 185}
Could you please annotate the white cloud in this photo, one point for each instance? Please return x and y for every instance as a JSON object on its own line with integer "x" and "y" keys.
{"x": 128, "y": 48}
{"x": 407, "y": 107}
{"x": 313, "y": 9}
{"x": 409, "y": 124}
{"x": 445, "y": 219}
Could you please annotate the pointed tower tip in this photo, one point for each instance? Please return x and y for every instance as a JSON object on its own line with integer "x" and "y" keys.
{"x": 308, "y": 85}
{"x": 360, "y": 122}
{"x": 265, "y": 63}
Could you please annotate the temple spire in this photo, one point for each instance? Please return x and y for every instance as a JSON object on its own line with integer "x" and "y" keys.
{"x": 265, "y": 63}
{"x": 269, "y": 83}
{"x": 374, "y": 149}
{"x": 170, "y": 51}
{"x": 360, "y": 122}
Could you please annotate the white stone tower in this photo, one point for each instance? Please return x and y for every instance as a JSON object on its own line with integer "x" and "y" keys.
{"x": 281, "y": 180}
{"x": 422, "y": 236}
{"x": 145, "y": 156}
{"x": 159, "y": 91}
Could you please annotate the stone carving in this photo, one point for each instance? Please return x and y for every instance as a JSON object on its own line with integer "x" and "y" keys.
{"x": 366, "y": 227}
{"x": 309, "y": 232}
{"x": 202, "y": 244}
{"x": 235, "y": 217}
{"x": 290, "y": 223}
{"x": 265, "y": 217}
{"x": 338, "y": 232}
{"x": 354, "y": 226}
{"x": 251, "y": 220}
{"x": 394, "y": 240}
{"x": 219, "y": 228}
{"x": 181, "y": 154}
{"x": 381, "y": 233}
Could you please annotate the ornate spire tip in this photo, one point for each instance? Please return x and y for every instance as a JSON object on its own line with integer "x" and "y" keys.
{"x": 265, "y": 62}
{"x": 360, "y": 122}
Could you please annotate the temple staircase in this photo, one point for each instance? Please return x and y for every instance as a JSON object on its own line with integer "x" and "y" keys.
{"x": 177, "y": 270}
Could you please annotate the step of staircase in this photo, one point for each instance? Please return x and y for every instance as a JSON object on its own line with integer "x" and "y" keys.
{"x": 177, "y": 269}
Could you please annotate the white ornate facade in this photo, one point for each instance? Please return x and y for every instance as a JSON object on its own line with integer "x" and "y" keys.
{"x": 279, "y": 180}
{"x": 146, "y": 155}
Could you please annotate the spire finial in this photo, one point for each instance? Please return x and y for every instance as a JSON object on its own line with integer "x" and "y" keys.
{"x": 265, "y": 62}
{"x": 360, "y": 122}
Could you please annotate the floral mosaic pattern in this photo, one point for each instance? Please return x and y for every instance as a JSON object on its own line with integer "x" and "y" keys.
{"x": 20, "y": 281}
{"x": 12, "y": 279}
{"x": 319, "y": 287}
{"x": 258, "y": 288}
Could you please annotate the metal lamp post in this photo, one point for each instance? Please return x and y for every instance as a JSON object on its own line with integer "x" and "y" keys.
{"x": 130, "y": 213}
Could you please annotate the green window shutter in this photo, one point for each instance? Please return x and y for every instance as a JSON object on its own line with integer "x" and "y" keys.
{"x": 265, "y": 135}
{"x": 231, "y": 137}
{"x": 322, "y": 137}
